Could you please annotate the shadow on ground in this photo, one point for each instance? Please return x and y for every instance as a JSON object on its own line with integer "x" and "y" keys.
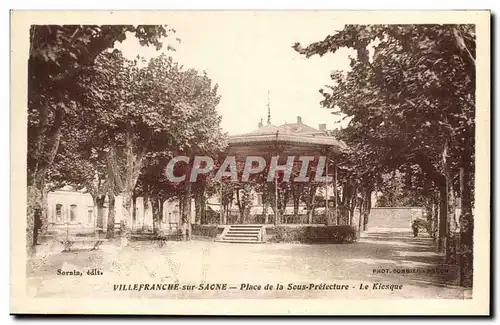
{"x": 391, "y": 258}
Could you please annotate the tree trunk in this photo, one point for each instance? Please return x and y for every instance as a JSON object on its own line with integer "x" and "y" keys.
{"x": 451, "y": 241}
{"x": 226, "y": 214}
{"x": 355, "y": 203}
{"x": 360, "y": 221}
{"x": 440, "y": 182}
{"x": 43, "y": 157}
{"x": 452, "y": 221}
{"x": 466, "y": 256}
{"x": 181, "y": 207}
{"x": 44, "y": 222}
{"x": 339, "y": 211}
{"x": 34, "y": 206}
{"x": 435, "y": 216}
{"x": 198, "y": 195}
{"x": 311, "y": 201}
{"x": 134, "y": 208}
{"x": 31, "y": 206}
{"x": 368, "y": 209}
{"x": 186, "y": 211}
{"x": 223, "y": 215}
{"x": 286, "y": 196}
{"x": 203, "y": 209}
{"x": 110, "y": 232}
{"x": 310, "y": 215}
{"x": 126, "y": 183}
{"x": 241, "y": 207}
{"x": 145, "y": 205}
{"x": 466, "y": 248}
{"x": 352, "y": 203}
{"x": 443, "y": 220}
{"x": 156, "y": 213}
{"x": 297, "y": 190}
{"x": 127, "y": 207}
{"x": 296, "y": 202}
{"x": 162, "y": 214}
{"x": 265, "y": 207}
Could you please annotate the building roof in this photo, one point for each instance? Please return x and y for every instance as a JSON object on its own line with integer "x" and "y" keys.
{"x": 294, "y": 139}
{"x": 298, "y": 134}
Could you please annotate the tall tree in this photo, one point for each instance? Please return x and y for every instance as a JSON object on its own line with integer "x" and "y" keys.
{"x": 58, "y": 54}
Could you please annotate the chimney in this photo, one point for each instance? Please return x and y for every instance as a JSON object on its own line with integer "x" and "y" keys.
{"x": 299, "y": 120}
{"x": 260, "y": 123}
{"x": 322, "y": 127}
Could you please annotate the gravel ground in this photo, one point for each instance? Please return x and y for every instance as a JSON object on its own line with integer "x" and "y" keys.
{"x": 379, "y": 266}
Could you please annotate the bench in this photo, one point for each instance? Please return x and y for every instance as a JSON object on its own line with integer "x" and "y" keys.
{"x": 76, "y": 235}
{"x": 168, "y": 231}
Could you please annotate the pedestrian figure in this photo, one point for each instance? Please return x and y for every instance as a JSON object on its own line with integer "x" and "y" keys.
{"x": 415, "y": 228}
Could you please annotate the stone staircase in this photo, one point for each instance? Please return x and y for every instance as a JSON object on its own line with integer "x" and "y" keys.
{"x": 242, "y": 234}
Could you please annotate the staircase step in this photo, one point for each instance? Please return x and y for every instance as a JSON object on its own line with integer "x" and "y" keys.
{"x": 240, "y": 227}
{"x": 246, "y": 236}
{"x": 242, "y": 234}
{"x": 244, "y": 231}
{"x": 241, "y": 241}
{"x": 241, "y": 237}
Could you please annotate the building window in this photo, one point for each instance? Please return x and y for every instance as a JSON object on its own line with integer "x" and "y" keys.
{"x": 72, "y": 213}
{"x": 58, "y": 213}
{"x": 259, "y": 199}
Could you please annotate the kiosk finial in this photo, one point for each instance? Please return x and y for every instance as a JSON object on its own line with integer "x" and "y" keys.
{"x": 268, "y": 109}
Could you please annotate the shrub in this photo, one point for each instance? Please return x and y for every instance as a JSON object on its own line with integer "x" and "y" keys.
{"x": 311, "y": 234}
{"x": 211, "y": 231}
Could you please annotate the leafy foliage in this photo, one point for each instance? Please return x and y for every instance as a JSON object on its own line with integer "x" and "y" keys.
{"x": 409, "y": 98}
{"x": 404, "y": 101}
{"x": 58, "y": 54}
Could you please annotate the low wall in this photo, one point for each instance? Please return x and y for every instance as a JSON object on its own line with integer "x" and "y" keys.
{"x": 310, "y": 234}
{"x": 210, "y": 231}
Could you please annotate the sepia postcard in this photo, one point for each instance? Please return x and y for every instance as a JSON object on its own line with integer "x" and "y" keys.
{"x": 250, "y": 162}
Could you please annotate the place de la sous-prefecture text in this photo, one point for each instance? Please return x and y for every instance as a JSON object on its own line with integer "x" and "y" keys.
{"x": 255, "y": 287}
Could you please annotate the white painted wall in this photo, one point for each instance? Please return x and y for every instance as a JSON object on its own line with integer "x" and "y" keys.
{"x": 85, "y": 212}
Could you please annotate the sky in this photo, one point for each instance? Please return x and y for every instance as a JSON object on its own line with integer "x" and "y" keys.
{"x": 250, "y": 53}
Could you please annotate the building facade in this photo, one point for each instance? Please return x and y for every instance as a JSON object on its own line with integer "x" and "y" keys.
{"x": 66, "y": 206}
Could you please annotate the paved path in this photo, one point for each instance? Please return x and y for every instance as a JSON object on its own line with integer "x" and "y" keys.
{"x": 388, "y": 265}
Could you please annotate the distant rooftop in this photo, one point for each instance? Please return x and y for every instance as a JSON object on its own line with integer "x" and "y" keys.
{"x": 292, "y": 133}
{"x": 298, "y": 128}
